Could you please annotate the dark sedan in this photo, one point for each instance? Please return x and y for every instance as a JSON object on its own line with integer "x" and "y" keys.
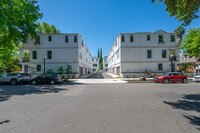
{"x": 47, "y": 79}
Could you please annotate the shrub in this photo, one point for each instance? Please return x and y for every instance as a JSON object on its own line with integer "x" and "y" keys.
{"x": 50, "y": 71}
{"x": 68, "y": 69}
{"x": 73, "y": 76}
{"x": 127, "y": 76}
{"x": 133, "y": 76}
{"x": 60, "y": 70}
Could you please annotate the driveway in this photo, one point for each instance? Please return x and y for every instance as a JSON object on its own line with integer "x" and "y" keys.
{"x": 99, "y": 76}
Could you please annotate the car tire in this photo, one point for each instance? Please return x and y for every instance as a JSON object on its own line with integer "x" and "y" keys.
{"x": 165, "y": 81}
{"x": 52, "y": 82}
{"x": 33, "y": 82}
{"x": 184, "y": 80}
{"x": 13, "y": 82}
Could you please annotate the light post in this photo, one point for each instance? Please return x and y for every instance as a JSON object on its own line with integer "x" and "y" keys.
{"x": 44, "y": 63}
{"x": 171, "y": 59}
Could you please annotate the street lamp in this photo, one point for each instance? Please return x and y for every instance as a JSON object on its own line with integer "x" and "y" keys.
{"x": 171, "y": 59}
{"x": 44, "y": 63}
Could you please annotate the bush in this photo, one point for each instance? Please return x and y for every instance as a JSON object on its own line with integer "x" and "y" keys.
{"x": 73, "y": 76}
{"x": 50, "y": 71}
{"x": 133, "y": 76}
{"x": 68, "y": 69}
{"x": 60, "y": 70}
{"x": 127, "y": 76}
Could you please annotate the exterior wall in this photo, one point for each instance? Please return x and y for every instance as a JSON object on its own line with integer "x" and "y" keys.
{"x": 63, "y": 53}
{"x": 105, "y": 64}
{"x": 131, "y": 57}
{"x": 95, "y": 60}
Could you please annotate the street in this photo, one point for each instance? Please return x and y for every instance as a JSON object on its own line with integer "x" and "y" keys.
{"x": 100, "y": 108}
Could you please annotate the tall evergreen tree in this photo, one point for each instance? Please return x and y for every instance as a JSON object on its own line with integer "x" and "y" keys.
{"x": 98, "y": 53}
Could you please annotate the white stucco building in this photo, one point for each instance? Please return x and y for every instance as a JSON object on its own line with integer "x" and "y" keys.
{"x": 133, "y": 53}
{"x": 95, "y": 64}
{"x": 58, "y": 50}
{"x": 105, "y": 64}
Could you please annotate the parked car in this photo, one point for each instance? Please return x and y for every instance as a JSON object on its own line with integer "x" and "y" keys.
{"x": 14, "y": 78}
{"x": 196, "y": 78}
{"x": 47, "y": 79}
{"x": 171, "y": 77}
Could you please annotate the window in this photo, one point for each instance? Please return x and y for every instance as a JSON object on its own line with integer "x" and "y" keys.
{"x": 94, "y": 70}
{"x": 39, "y": 68}
{"x": 149, "y": 52}
{"x": 160, "y": 67}
{"x": 49, "y": 54}
{"x": 66, "y": 39}
{"x": 123, "y": 38}
{"x": 75, "y": 39}
{"x": 94, "y": 65}
{"x": 37, "y": 41}
{"x": 96, "y": 59}
{"x": 104, "y": 59}
{"x": 50, "y": 38}
{"x": 34, "y": 55}
{"x": 148, "y": 38}
{"x": 82, "y": 43}
{"x": 160, "y": 38}
{"x": 131, "y": 38}
{"x": 164, "y": 53}
{"x": 92, "y": 59}
{"x": 172, "y": 38}
{"x": 80, "y": 56}
{"x": 12, "y": 74}
{"x": 106, "y": 65}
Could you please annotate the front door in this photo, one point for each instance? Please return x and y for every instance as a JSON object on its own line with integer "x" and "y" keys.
{"x": 25, "y": 68}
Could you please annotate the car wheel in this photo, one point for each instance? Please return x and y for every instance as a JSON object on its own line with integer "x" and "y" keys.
{"x": 34, "y": 82}
{"x": 13, "y": 82}
{"x": 165, "y": 81}
{"x": 184, "y": 80}
{"x": 52, "y": 82}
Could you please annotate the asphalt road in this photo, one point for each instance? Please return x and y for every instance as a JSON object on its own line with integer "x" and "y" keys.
{"x": 100, "y": 108}
{"x": 99, "y": 76}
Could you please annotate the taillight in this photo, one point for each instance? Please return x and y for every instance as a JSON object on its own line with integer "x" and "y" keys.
{"x": 56, "y": 77}
{"x": 21, "y": 76}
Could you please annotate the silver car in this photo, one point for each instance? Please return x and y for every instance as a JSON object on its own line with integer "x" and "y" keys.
{"x": 14, "y": 78}
{"x": 196, "y": 78}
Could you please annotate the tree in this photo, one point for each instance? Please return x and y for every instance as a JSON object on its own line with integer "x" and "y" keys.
{"x": 191, "y": 42}
{"x": 100, "y": 60}
{"x": 46, "y": 28}
{"x": 98, "y": 53}
{"x": 180, "y": 31}
{"x": 183, "y": 10}
{"x": 17, "y": 21}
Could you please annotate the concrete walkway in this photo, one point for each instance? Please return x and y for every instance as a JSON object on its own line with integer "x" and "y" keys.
{"x": 96, "y": 81}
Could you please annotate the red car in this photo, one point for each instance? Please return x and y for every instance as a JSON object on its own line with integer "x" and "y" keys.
{"x": 171, "y": 77}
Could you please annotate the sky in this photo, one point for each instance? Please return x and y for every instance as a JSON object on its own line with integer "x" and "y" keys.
{"x": 100, "y": 21}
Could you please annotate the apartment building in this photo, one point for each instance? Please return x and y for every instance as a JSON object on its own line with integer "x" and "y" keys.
{"x": 95, "y": 64}
{"x": 52, "y": 51}
{"x": 105, "y": 64}
{"x": 133, "y": 53}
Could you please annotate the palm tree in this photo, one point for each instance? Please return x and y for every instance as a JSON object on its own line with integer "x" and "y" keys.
{"x": 179, "y": 34}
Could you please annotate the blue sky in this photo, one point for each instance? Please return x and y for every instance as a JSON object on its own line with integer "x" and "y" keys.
{"x": 100, "y": 21}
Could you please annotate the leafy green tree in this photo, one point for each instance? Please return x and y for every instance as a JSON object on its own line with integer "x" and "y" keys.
{"x": 17, "y": 21}
{"x": 183, "y": 10}
{"x": 191, "y": 42}
{"x": 46, "y": 28}
{"x": 26, "y": 57}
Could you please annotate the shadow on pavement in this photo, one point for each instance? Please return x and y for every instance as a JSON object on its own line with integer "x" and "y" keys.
{"x": 7, "y": 91}
{"x": 189, "y": 102}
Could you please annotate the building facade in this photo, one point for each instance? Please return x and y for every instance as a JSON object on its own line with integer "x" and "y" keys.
{"x": 134, "y": 53}
{"x": 105, "y": 64}
{"x": 52, "y": 51}
{"x": 95, "y": 64}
